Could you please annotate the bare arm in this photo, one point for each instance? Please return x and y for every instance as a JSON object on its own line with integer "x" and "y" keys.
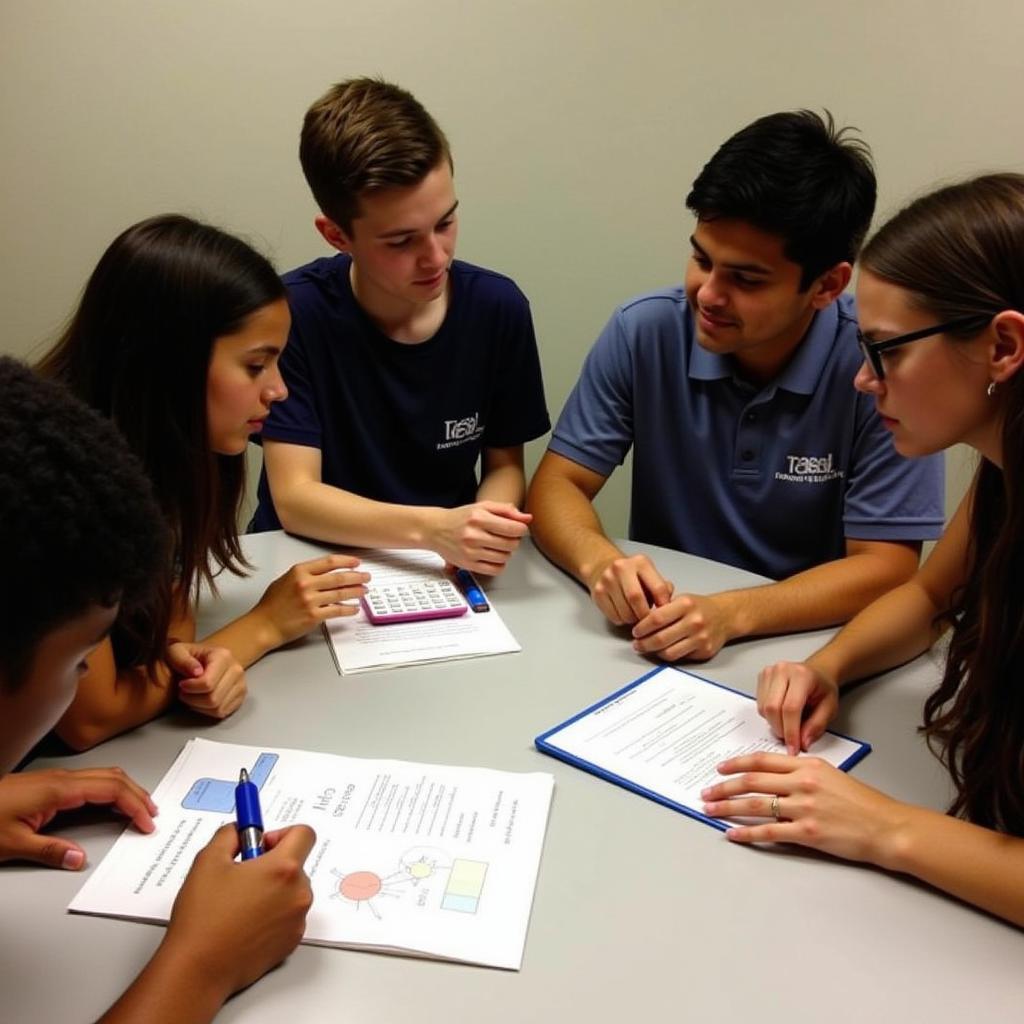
{"x": 110, "y": 700}
{"x": 799, "y": 699}
{"x": 696, "y": 626}
{"x": 480, "y": 537}
{"x": 307, "y": 594}
{"x": 230, "y": 924}
{"x": 566, "y": 526}
{"x": 567, "y": 529}
{"x": 827, "y": 809}
{"x": 502, "y": 477}
{"x": 901, "y": 624}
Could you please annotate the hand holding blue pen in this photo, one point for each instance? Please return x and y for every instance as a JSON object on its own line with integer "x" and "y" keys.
{"x": 248, "y": 816}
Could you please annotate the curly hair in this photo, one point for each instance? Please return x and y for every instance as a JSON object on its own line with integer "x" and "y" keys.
{"x": 80, "y": 524}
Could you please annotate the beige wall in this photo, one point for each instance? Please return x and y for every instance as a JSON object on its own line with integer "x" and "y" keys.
{"x": 577, "y": 126}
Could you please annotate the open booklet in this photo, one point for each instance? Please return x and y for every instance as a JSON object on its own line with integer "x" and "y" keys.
{"x": 419, "y": 859}
{"x": 663, "y": 735}
{"x": 360, "y": 646}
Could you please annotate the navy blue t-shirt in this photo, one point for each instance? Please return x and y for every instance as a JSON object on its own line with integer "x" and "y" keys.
{"x": 405, "y": 423}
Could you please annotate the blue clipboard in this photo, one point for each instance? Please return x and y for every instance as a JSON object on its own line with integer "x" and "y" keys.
{"x": 545, "y": 745}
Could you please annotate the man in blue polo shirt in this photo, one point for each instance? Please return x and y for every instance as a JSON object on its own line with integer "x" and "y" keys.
{"x": 750, "y": 444}
{"x": 405, "y": 367}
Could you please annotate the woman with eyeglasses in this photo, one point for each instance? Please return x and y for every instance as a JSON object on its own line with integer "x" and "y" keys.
{"x": 941, "y": 305}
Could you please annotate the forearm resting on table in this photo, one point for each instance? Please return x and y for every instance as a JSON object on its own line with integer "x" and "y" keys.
{"x": 822, "y": 596}
{"x": 982, "y": 867}
{"x": 310, "y": 508}
{"x": 111, "y": 700}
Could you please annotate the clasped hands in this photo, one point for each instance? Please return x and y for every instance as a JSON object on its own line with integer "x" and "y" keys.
{"x": 629, "y": 590}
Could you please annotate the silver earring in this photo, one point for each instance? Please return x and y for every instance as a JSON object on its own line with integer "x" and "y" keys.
{"x": 991, "y": 389}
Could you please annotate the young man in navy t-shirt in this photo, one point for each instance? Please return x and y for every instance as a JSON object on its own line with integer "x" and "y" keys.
{"x": 404, "y": 366}
{"x": 735, "y": 392}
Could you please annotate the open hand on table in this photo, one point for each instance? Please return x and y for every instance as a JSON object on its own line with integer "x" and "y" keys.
{"x": 30, "y": 800}
{"x": 818, "y": 806}
{"x": 310, "y": 593}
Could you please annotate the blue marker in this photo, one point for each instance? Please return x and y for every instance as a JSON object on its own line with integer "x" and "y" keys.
{"x": 471, "y": 590}
{"x": 248, "y": 816}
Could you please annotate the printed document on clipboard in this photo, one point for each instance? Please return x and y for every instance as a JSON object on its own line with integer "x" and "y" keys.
{"x": 663, "y": 735}
{"x": 358, "y": 645}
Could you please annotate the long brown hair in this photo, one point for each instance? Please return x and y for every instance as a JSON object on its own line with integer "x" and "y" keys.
{"x": 959, "y": 252}
{"x": 138, "y": 350}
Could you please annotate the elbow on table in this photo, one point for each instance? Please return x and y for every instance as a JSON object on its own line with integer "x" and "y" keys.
{"x": 82, "y": 734}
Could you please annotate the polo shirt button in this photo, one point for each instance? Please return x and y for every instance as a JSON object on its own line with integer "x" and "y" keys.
{"x": 751, "y": 417}
{"x": 747, "y": 455}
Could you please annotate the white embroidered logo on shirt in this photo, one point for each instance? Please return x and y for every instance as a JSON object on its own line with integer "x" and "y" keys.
{"x": 462, "y": 431}
{"x": 810, "y": 469}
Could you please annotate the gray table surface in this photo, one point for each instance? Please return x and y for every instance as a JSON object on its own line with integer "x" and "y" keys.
{"x": 640, "y": 913}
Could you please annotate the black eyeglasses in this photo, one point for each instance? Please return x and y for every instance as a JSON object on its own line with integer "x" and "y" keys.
{"x": 873, "y": 350}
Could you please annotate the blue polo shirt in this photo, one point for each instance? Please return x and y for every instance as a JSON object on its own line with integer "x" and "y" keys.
{"x": 769, "y": 478}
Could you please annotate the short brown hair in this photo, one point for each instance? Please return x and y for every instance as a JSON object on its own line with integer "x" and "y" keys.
{"x": 365, "y": 134}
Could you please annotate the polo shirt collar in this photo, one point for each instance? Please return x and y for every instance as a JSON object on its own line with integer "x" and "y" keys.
{"x": 804, "y": 370}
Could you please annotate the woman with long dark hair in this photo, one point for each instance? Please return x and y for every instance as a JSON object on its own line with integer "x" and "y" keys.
{"x": 941, "y": 306}
{"x": 177, "y": 340}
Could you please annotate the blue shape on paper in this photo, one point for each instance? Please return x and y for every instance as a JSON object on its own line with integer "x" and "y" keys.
{"x": 218, "y": 795}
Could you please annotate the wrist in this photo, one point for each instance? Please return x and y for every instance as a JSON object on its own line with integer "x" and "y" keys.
{"x": 894, "y": 844}
{"x": 590, "y": 570}
{"x": 424, "y": 526}
{"x": 266, "y": 635}
{"x": 826, "y": 666}
{"x": 736, "y": 611}
{"x": 177, "y": 985}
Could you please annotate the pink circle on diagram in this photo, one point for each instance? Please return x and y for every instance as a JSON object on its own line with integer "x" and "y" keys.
{"x": 360, "y": 885}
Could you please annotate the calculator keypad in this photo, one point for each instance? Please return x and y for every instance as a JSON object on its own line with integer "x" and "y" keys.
{"x": 407, "y": 602}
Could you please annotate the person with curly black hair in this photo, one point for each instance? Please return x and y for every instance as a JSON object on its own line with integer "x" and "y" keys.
{"x": 82, "y": 537}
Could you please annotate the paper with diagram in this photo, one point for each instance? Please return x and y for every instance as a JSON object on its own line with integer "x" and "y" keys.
{"x": 359, "y": 646}
{"x": 428, "y": 860}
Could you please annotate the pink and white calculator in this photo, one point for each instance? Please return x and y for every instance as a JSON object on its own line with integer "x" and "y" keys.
{"x": 385, "y": 604}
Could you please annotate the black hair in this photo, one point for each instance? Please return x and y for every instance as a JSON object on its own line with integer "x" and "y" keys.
{"x": 80, "y": 525}
{"x": 794, "y": 175}
{"x": 138, "y": 350}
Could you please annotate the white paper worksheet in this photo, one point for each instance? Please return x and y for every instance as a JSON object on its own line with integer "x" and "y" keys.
{"x": 360, "y": 646}
{"x": 665, "y": 733}
{"x": 429, "y": 860}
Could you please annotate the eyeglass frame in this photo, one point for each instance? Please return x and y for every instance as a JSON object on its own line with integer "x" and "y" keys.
{"x": 872, "y": 350}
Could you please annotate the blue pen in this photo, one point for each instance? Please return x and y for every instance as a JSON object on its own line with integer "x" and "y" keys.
{"x": 471, "y": 590}
{"x": 248, "y": 816}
